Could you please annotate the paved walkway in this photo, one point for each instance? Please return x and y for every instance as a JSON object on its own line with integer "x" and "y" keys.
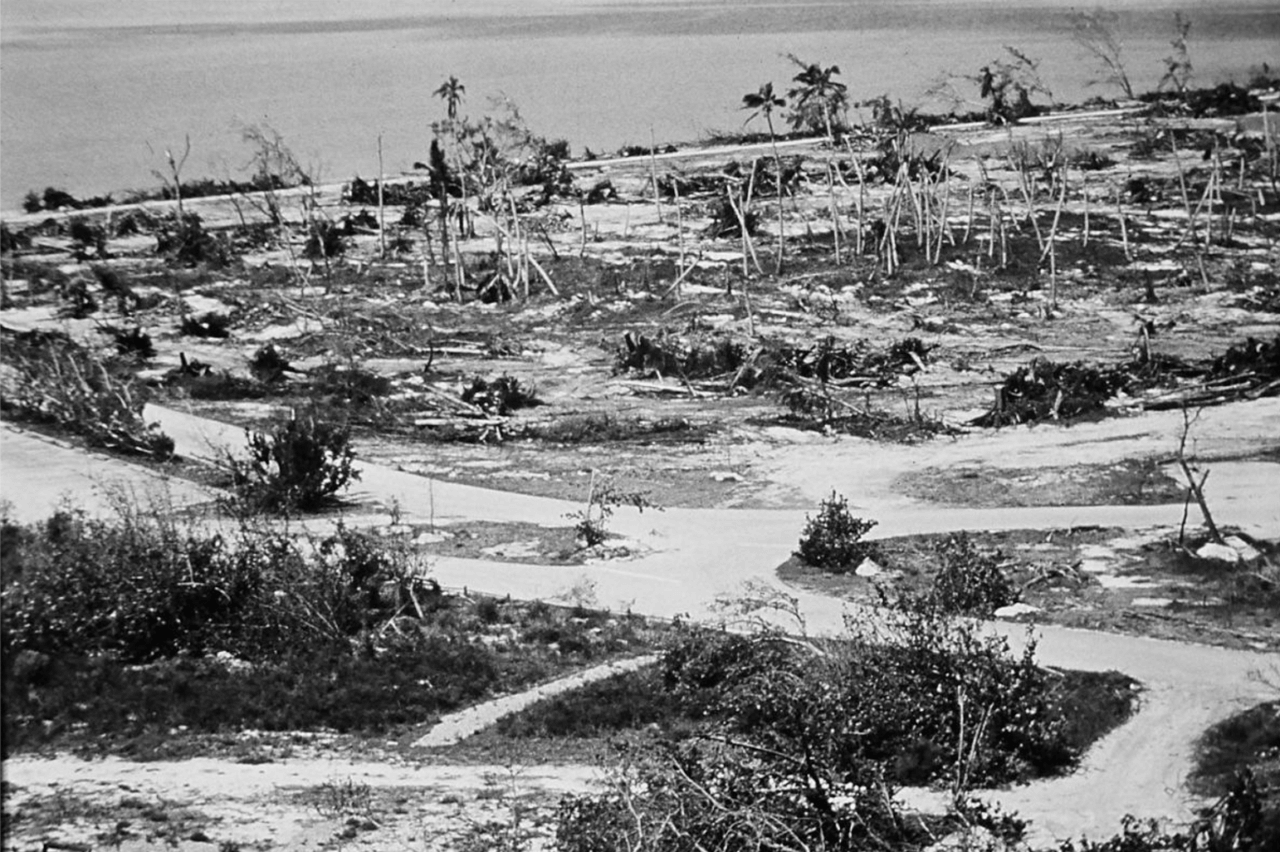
{"x": 39, "y": 474}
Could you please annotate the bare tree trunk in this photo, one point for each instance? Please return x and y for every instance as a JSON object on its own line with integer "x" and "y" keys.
{"x": 382, "y": 222}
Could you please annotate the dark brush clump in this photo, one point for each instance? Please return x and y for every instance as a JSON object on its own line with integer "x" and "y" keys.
{"x": 1047, "y": 390}
{"x": 500, "y": 396}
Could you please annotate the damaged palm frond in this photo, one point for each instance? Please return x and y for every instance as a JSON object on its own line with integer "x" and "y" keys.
{"x": 50, "y": 379}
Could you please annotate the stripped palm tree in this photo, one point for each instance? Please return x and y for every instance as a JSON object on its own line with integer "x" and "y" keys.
{"x": 764, "y": 102}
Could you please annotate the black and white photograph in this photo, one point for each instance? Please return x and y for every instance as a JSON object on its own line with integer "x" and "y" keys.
{"x": 639, "y": 426}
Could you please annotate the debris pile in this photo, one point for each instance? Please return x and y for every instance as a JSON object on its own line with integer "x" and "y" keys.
{"x": 857, "y": 364}
{"x": 501, "y": 396}
{"x": 1248, "y": 370}
{"x": 1047, "y": 390}
{"x": 686, "y": 357}
{"x": 769, "y": 364}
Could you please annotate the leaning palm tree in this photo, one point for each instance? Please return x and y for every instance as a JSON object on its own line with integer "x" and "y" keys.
{"x": 451, "y": 92}
{"x": 764, "y": 102}
{"x": 817, "y": 95}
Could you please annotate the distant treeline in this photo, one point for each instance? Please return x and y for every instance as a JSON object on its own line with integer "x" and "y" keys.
{"x": 54, "y": 199}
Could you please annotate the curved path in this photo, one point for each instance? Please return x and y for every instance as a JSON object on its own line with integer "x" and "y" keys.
{"x": 691, "y": 556}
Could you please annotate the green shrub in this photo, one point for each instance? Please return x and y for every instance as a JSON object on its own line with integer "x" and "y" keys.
{"x": 300, "y": 466}
{"x": 269, "y": 366}
{"x": 133, "y": 343}
{"x": 185, "y": 241}
{"x": 138, "y": 588}
{"x": 324, "y": 241}
{"x": 970, "y": 582}
{"x": 833, "y": 539}
{"x": 591, "y": 523}
{"x": 926, "y": 699}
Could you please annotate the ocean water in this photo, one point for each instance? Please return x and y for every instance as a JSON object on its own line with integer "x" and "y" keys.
{"x": 93, "y": 91}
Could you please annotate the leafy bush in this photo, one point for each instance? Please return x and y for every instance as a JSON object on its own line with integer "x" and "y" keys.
{"x": 186, "y": 241}
{"x": 592, "y": 521}
{"x": 970, "y": 582}
{"x": 839, "y": 721}
{"x": 298, "y": 467}
{"x": 268, "y": 366}
{"x": 325, "y": 240}
{"x": 134, "y": 342}
{"x": 833, "y": 539}
{"x": 1240, "y": 821}
{"x": 139, "y": 588}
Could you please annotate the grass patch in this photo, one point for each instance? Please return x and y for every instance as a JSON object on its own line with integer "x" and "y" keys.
{"x": 605, "y": 427}
{"x": 119, "y": 634}
{"x": 1239, "y": 759}
{"x": 623, "y": 702}
{"x": 1247, "y": 740}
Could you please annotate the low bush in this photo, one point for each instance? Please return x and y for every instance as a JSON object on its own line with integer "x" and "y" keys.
{"x": 937, "y": 702}
{"x": 350, "y": 384}
{"x": 185, "y": 241}
{"x": 591, "y": 523}
{"x": 299, "y": 466}
{"x": 208, "y": 325}
{"x": 268, "y": 365}
{"x": 501, "y": 396}
{"x": 324, "y": 240}
{"x": 833, "y": 539}
{"x": 927, "y": 700}
{"x": 133, "y": 343}
{"x": 969, "y": 581}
